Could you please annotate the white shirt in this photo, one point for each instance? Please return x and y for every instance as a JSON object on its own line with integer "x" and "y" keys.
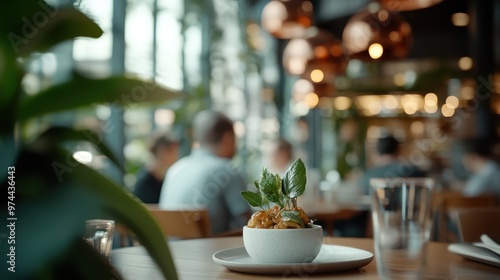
{"x": 202, "y": 180}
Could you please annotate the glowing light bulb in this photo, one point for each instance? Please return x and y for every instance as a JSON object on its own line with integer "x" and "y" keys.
{"x": 311, "y": 100}
{"x": 460, "y": 19}
{"x": 375, "y": 50}
{"x": 447, "y": 111}
{"x": 342, "y": 103}
{"x": 452, "y": 102}
{"x": 317, "y": 75}
{"x": 431, "y": 99}
{"x": 465, "y": 63}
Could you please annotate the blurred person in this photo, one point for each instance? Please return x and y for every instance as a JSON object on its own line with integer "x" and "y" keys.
{"x": 164, "y": 149}
{"x": 389, "y": 164}
{"x": 206, "y": 178}
{"x": 280, "y": 156}
{"x": 477, "y": 158}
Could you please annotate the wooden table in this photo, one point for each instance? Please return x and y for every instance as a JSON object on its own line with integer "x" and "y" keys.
{"x": 193, "y": 259}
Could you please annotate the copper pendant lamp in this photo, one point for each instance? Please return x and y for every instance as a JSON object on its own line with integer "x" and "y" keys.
{"x": 407, "y": 5}
{"x": 318, "y": 57}
{"x": 377, "y": 33}
{"x": 287, "y": 19}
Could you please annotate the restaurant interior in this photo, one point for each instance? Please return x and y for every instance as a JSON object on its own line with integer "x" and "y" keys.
{"x": 416, "y": 93}
{"x": 330, "y": 77}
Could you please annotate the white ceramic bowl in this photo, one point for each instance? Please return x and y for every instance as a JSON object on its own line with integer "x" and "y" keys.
{"x": 283, "y": 245}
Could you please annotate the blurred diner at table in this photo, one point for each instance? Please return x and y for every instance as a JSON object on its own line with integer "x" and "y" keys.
{"x": 280, "y": 156}
{"x": 389, "y": 163}
{"x": 206, "y": 178}
{"x": 478, "y": 158}
{"x": 164, "y": 149}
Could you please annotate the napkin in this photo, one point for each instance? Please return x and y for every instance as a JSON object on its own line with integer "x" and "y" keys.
{"x": 487, "y": 251}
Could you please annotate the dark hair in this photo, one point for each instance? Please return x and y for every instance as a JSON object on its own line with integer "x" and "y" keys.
{"x": 282, "y": 145}
{"x": 210, "y": 126}
{"x": 161, "y": 139}
{"x": 387, "y": 145}
{"x": 478, "y": 146}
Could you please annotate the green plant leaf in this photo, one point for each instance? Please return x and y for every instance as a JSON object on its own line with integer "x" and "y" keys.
{"x": 256, "y": 183}
{"x": 10, "y": 79}
{"x": 9, "y": 153}
{"x": 61, "y": 205}
{"x": 87, "y": 264}
{"x": 56, "y": 209}
{"x": 55, "y": 136}
{"x": 81, "y": 91}
{"x": 264, "y": 201}
{"x": 270, "y": 186}
{"x": 254, "y": 199}
{"x": 127, "y": 209}
{"x": 292, "y": 216}
{"x": 59, "y": 25}
{"x": 295, "y": 180}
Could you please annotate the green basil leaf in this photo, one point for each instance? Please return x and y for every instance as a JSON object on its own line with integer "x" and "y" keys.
{"x": 256, "y": 184}
{"x": 292, "y": 216}
{"x": 264, "y": 200}
{"x": 254, "y": 199}
{"x": 284, "y": 187}
{"x": 270, "y": 186}
{"x": 294, "y": 180}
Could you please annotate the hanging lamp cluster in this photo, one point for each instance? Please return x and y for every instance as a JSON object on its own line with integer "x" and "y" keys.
{"x": 377, "y": 32}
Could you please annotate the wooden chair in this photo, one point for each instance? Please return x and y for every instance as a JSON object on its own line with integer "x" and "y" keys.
{"x": 184, "y": 224}
{"x": 175, "y": 224}
{"x": 447, "y": 202}
{"x": 329, "y": 218}
{"x": 474, "y": 222}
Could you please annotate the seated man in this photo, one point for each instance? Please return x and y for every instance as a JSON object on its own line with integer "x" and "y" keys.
{"x": 206, "y": 178}
{"x": 388, "y": 164}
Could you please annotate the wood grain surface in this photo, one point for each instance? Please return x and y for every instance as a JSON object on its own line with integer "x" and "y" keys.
{"x": 193, "y": 259}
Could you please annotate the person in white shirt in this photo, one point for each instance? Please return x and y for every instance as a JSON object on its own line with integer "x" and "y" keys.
{"x": 206, "y": 178}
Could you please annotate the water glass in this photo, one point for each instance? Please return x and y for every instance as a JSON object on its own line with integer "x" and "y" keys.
{"x": 99, "y": 234}
{"x": 401, "y": 213}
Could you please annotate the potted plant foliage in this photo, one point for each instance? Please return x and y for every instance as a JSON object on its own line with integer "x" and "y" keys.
{"x": 44, "y": 209}
{"x": 281, "y": 233}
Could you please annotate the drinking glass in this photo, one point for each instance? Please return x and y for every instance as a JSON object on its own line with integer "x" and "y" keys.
{"x": 401, "y": 213}
{"x": 99, "y": 234}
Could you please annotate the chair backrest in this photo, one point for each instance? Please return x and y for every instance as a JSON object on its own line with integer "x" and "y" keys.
{"x": 185, "y": 223}
{"x": 447, "y": 202}
{"x": 474, "y": 222}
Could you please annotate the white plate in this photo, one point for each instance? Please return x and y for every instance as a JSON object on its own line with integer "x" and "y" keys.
{"x": 474, "y": 253}
{"x": 331, "y": 258}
